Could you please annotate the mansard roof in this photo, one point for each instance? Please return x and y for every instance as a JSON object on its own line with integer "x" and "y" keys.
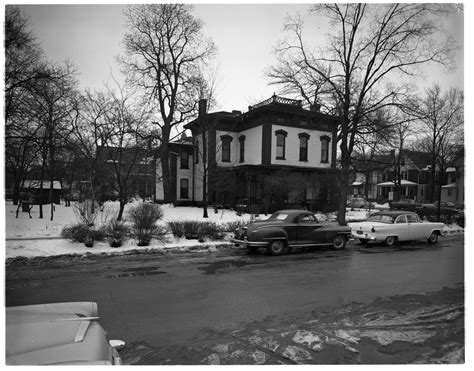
{"x": 273, "y": 105}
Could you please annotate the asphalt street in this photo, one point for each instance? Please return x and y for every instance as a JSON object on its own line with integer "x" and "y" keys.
{"x": 155, "y": 301}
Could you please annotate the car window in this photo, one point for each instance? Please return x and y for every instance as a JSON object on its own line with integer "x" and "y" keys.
{"x": 412, "y": 218}
{"x": 308, "y": 219}
{"x": 382, "y": 218}
{"x": 401, "y": 219}
{"x": 279, "y": 216}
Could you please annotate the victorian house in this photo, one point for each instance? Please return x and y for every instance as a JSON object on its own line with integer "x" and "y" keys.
{"x": 274, "y": 155}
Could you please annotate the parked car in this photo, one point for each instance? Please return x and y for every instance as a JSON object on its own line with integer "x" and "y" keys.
{"x": 286, "y": 229}
{"x": 405, "y": 204}
{"x": 396, "y": 226}
{"x": 446, "y": 208}
{"x": 58, "y": 334}
{"x": 358, "y": 203}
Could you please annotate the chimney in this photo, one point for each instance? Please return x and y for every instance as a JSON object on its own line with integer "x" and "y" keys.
{"x": 202, "y": 107}
{"x": 315, "y": 107}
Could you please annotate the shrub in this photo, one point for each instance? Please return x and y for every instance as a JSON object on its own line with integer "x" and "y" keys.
{"x": 191, "y": 229}
{"x": 116, "y": 233}
{"x": 232, "y": 226}
{"x": 77, "y": 232}
{"x": 143, "y": 218}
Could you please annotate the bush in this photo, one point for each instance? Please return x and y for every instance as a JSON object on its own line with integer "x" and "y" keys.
{"x": 232, "y": 226}
{"x": 191, "y": 229}
{"x": 77, "y": 232}
{"x": 116, "y": 233}
{"x": 143, "y": 218}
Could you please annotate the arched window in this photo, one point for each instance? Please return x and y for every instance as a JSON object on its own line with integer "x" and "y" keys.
{"x": 280, "y": 144}
{"x": 242, "y": 148}
{"x": 196, "y": 152}
{"x": 226, "y": 140}
{"x": 325, "y": 148}
{"x": 304, "y": 139}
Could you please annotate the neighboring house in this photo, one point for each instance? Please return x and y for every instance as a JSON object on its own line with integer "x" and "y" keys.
{"x": 453, "y": 191}
{"x": 374, "y": 179}
{"x": 366, "y": 174}
{"x": 37, "y": 191}
{"x": 252, "y": 155}
{"x": 136, "y": 167}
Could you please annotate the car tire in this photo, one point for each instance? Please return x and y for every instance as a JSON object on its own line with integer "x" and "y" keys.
{"x": 433, "y": 238}
{"x": 339, "y": 242}
{"x": 390, "y": 241}
{"x": 277, "y": 247}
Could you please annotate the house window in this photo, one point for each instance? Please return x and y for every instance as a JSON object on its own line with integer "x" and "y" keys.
{"x": 304, "y": 138}
{"x": 196, "y": 152}
{"x": 450, "y": 192}
{"x": 226, "y": 144}
{"x": 325, "y": 148}
{"x": 184, "y": 160}
{"x": 280, "y": 144}
{"x": 242, "y": 148}
{"x": 184, "y": 187}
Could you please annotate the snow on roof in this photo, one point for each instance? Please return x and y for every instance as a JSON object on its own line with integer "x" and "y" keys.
{"x": 392, "y": 184}
{"x": 452, "y": 185}
{"x": 37, "y": 184}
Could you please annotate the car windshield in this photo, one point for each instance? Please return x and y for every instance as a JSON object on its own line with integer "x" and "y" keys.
{"x": 407, "y": 201}
{"x": 279, "y": 216}
{"x": 382, "y": 218}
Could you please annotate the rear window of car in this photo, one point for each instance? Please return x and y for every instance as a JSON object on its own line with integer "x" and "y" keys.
{"x": 380, "y": 218}
{"x": 279, "y": 216}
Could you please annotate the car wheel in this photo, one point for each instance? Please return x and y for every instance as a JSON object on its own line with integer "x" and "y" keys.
{"x": 433, "y": 238}
{"x": 363, "y": 241}
{"x": 277, "y": 247}
{"x": 339, "y": 242}
{"x": 390, "y": 241}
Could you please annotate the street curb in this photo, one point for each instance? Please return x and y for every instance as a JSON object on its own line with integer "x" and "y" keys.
{"x": 204, "y": 247}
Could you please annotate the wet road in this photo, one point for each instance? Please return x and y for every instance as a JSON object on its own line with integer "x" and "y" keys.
{"x": 163, "y": 299}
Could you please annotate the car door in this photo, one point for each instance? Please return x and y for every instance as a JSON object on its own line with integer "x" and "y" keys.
{"x": 310, "y": 231}
{"x": 401, "y": 228}
{"x": 416, "y": 229}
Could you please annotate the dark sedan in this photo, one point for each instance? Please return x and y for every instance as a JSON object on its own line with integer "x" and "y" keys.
{"x": 286, "y": 229}
{"x": 405, "y": 204}
{"x": 446, "y": 208}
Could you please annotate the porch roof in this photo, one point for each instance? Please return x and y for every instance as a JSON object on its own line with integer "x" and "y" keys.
{"x": 392, "y": 184}
{"x": 452, "y": 185}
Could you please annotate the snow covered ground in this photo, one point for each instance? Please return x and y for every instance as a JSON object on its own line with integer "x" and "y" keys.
{"x": 41, "y": 237}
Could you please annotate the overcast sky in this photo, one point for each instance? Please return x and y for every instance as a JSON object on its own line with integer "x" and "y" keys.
{"x": 90, "y": 37}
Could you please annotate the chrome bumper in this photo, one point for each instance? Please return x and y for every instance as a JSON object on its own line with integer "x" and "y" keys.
{"x": 365, "y": 236}
{"x": 246, "y": 243}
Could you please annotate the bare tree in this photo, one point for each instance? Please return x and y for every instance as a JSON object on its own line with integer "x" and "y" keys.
{"x": 165, "y": 50}
{"x": 52, "y": 105}
{"x": 122, "y": 151}
{"x": 369, "y": 45}
{"x": 442, "y": 118}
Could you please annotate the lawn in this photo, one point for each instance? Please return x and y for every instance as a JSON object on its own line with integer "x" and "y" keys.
{"x": 41, "y": 237}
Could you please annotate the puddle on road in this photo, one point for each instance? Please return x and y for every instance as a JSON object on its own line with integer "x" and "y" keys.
{"x": 223, "y": 265}
{"x": 137, "y": 272}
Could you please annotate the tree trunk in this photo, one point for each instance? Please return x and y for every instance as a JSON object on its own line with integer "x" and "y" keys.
{"x": 344, "y": 188}
{"x": 165, "y": 171}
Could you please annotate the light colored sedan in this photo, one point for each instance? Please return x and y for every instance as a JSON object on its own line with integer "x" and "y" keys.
{"x": 396, "y": 226}
{"x": 58, "y": 334}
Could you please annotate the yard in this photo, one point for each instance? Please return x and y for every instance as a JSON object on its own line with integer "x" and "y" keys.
{"x": 32, "y": 237}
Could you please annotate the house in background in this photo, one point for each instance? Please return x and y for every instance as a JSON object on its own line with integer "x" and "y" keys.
{"x": 453, "y": 191}
{"x": 40, "y": 191}
{"x": 276, "y": 154}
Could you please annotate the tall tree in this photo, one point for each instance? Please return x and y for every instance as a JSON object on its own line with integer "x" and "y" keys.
{"x": 369, "y": 46}
{"x": 53, "y": 106}
{"x": 442, "y": 118}
{"x": 165, "y": 50}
